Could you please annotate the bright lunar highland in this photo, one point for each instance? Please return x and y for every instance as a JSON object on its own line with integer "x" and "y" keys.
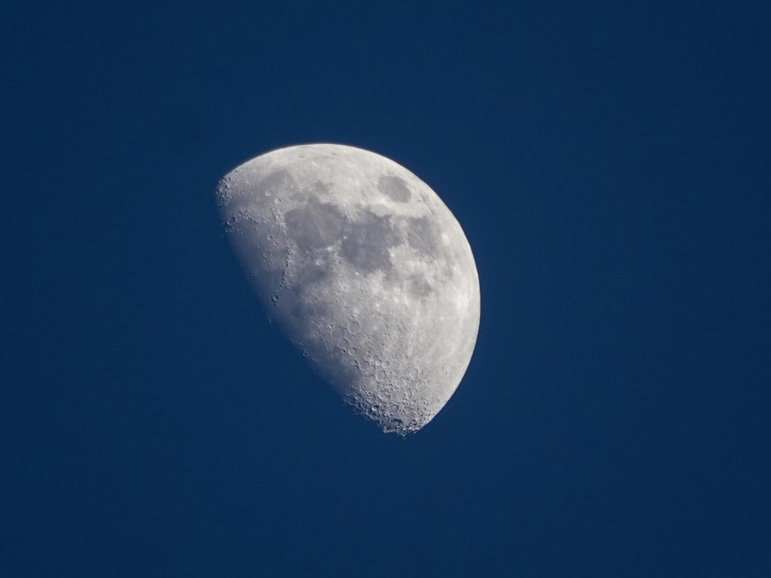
{"x": 365, "y": 269}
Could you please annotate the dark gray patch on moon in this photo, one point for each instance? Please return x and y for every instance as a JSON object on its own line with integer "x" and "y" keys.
{"x": 310, "y": 274}
{"x": 366, "y": 242}
{"x": 419, "y": 285}
{"x": 278, "y": 182}
{"x": 422, "y": 235}
{"x": 315, "y": 225}
{"x": 394, "y": 188}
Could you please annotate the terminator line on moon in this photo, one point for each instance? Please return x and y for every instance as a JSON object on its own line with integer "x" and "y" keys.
{"x": 366, "y": 271}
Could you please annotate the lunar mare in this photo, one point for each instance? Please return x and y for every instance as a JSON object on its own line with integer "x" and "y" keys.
{"x": 366, "y": 271}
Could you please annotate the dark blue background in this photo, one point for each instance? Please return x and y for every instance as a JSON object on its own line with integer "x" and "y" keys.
{"x": 609, "y": 162}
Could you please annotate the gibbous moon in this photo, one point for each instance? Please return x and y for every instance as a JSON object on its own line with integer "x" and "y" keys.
{"x": 366, "y": 271}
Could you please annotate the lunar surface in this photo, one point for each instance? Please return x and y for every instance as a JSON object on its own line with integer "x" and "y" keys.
{"x": 366, "y": 271}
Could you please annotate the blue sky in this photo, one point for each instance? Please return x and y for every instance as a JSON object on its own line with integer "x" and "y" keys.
{"x": 609, "y": 165}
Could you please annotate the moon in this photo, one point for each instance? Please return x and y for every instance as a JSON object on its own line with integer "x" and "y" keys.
{"x": 366, "y": 271}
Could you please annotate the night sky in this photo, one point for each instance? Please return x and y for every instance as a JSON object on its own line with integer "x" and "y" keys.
{"x": 610, "y": 163}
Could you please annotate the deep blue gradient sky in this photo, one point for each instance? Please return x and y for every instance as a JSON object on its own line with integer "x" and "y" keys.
{"x": 609, "y": 162}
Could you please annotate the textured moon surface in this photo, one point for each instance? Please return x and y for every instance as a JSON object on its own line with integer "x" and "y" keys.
{"x": 366, "y": 271}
